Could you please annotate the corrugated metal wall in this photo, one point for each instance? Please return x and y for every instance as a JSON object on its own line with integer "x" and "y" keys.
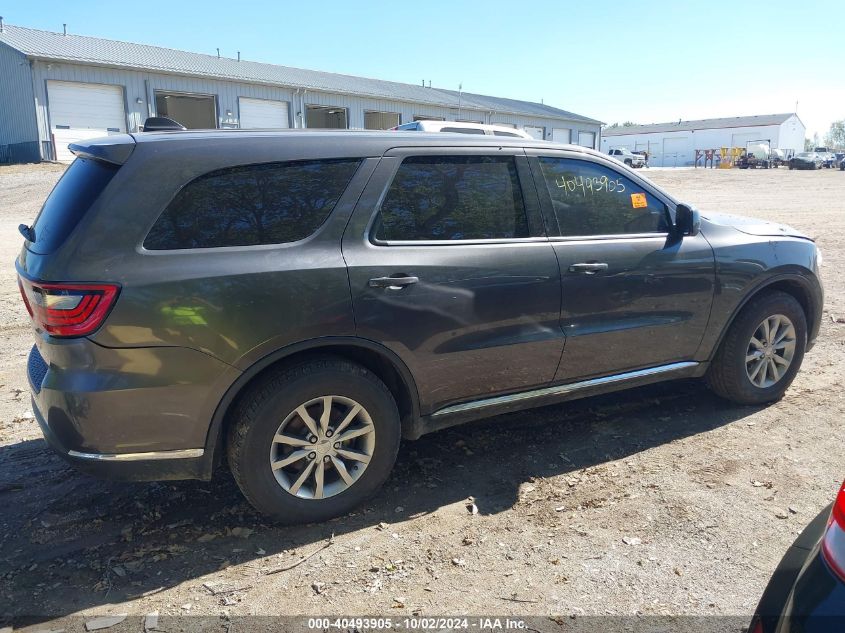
{"x": 18, "y": 131}
{"x": 142, "y": 86}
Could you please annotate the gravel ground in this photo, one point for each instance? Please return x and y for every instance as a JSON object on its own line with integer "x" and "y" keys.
{"x": 662, "y": 500}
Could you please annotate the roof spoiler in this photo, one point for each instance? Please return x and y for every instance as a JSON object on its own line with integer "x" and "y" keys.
{"x": 162, "y": 124}
{"x": 114, "y": 149}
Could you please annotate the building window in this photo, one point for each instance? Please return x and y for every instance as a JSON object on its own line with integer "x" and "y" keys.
{"x": 326, "y": 117}
{"x": 380, "y": 120}
{"x": 425, "y": 117}
{"x": 194, "y": 111}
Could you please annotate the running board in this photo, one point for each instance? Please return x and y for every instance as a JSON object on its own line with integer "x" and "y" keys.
{"x": 562, "y": 390}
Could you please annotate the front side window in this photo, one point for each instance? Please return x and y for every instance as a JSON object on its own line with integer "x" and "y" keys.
{"x": 590, "y": 199}
{"x": 249, "y": 205}
{"x": 453, "y": 198}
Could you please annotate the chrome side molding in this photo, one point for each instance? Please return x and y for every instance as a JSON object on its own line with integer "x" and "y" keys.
{"x": 562, "y": 389}
{"x": 184, "y": 453}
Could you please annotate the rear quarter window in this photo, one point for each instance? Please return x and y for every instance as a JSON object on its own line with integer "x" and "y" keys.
{"x": 249, "y": 205}
{"x": 77, "y": 189}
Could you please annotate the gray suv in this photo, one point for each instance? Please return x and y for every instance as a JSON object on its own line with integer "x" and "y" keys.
{"x": 294, "y": 303}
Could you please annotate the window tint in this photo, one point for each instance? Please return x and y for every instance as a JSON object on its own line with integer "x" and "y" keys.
{"x": 453, "y": 198}
{"x": 73, "y": 195}
{"x": 254, "y": 204}
{"x": 497, "y": 133}
{"x": 590, "y": 199}
{"x": 463, "y": 130}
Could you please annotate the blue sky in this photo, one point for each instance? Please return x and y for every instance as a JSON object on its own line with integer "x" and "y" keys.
{"x": 645, "y": 61}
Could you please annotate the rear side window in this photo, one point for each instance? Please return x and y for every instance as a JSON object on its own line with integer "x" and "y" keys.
{"x": 271, "y": 203}
{"x": 79, "y": 187}
{"x": 498, "y": 133}
{"x": 453, "y": 198}
{"x": 590, "y": 199}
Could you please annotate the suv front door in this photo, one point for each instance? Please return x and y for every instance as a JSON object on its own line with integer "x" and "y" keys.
{"x": 634, "y": 296}
{"x": 450, "y": 268}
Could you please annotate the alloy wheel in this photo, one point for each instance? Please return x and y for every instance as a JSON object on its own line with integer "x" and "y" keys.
{"x": 322, "y": 447}
{"x": 770, "y": 351}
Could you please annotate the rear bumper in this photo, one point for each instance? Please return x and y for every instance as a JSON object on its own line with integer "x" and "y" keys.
{"x": 135, "y": 413}
{"x": 151, "y": 466}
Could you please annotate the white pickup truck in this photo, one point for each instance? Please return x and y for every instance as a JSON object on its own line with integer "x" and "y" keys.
{"x": 624, "y": 155}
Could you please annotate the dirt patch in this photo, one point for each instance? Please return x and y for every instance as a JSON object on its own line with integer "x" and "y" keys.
{"x": 662, "y": 500}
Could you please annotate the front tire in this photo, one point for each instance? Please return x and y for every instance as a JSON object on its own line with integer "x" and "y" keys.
{"x": 313, "y": 441}
{"x": 761, "y": 352}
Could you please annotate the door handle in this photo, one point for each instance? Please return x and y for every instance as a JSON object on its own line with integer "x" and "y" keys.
{"x": 588, "y": 268}
{"x": 395, "y": 283}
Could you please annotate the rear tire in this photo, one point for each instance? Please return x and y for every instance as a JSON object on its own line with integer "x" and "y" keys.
{"x": 290, "y": 405}
{"x": 752, "y": 367}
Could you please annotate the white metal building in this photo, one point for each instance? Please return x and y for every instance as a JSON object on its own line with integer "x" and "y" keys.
{"x": 57, "y": 88}
{"x": 674, "y": 144}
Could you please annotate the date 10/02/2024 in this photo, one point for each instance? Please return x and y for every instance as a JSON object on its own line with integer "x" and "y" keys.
{"x": 419, "y": 623}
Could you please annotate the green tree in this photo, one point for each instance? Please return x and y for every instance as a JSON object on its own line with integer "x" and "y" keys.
{"x": 835, "y": 137}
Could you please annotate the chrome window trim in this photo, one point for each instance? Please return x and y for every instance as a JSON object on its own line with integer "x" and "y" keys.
{"x": 561, "y": 389}
{"x": 609, "y": 236}
{"x": 185, "y": 453}
{"x": 515, "y": 240}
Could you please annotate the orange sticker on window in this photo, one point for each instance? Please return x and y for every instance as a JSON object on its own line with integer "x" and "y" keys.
{"x": 638, "y": 201}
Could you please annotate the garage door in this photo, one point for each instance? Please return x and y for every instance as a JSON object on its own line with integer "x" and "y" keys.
{"x": 538, "y": 133}
{"x": 263, "y": 113}
{"x": 79, "y": 111}
{"x": 674, "y": 152}
{"x": 561, "y": 135}
{"x": 587, "y": 139}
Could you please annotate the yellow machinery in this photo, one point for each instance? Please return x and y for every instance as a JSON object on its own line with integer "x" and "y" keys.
{"x": 729, "y": 156}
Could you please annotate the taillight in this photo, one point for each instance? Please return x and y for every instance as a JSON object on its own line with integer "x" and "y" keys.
{"x": 833, "y": 542}
{"x": 68, "y": 309}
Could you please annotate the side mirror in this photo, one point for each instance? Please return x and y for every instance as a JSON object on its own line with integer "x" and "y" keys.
{"x": 687, "y": 220}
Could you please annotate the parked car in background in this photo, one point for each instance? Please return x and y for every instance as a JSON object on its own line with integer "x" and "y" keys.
{"x": 806, "y": 160}
{"x": 840, "y": 160}
{"x": 626, "y": 156}
{"x": 460, "y": 127}
{"x": 807, "y": 590}
{"x": 828, "y": 159}
{"x": 296, "y": 302}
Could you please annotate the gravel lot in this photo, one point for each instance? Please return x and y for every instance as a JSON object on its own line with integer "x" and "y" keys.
{"x": 662, "y": 500}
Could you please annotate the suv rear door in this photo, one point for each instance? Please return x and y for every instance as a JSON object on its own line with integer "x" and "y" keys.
{"x": 634, "y": 296}
{"x": 473, "y": 305}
